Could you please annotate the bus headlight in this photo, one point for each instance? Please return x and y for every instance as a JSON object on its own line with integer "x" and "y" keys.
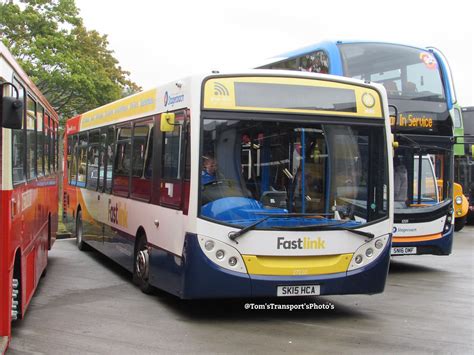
{"x": 209, "y": 245}
{"x": 458, "y": 200}
{"x": 222, "y": 254}
{"x": 369, "y": 252}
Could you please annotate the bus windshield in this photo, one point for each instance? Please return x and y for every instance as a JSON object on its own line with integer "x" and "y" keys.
{"x": 326, "y": 174}
{"x": 406, "y": 72}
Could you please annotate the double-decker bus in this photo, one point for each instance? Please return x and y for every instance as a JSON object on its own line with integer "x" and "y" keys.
{"x": 465, "y": 164}
{"x": 421, "y": 93}
{"x": 29, "y": 190}
{"x": 258, "y": 183}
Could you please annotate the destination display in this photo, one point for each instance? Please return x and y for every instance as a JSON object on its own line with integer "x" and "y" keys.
{"x": 291, "y": 95}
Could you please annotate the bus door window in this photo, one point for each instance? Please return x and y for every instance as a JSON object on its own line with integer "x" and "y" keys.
{"x": 18, "y": 138}
{"x": 93, "y": 160}
{"x": 40, "y": 129}
{"x": 123, "y": 162}
{"x": 30, "y": 138}
{"x": 141, "y": 167}
{"x": 173, "y": 151}
{"x": 82, "y": 160}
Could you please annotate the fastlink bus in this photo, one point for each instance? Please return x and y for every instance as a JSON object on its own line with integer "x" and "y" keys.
{"x": 420, "y": 89}
{"x": 29, "y": 190}
{"x": 259, "y": 183}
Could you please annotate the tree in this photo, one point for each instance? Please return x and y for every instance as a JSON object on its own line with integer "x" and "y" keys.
{"x": 71, "y": 65}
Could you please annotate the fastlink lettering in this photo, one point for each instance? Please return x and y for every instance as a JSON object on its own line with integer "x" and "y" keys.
{"x": 301, "y": 243}
{"x": 118, "y": 214}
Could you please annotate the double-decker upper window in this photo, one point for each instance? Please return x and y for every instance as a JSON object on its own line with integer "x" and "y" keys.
{"x": 405, "y": 72}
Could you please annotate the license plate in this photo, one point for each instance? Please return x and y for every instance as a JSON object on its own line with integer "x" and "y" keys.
{"x": 403, "y": 250}
{"x": 300, "y": 290}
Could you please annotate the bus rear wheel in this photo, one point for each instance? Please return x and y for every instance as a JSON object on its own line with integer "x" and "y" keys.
{"x": 141, "y": 266}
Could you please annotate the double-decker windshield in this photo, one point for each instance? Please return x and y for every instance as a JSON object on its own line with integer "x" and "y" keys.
{"x": 405, "y": 72}
{"x": 295, "y": 175}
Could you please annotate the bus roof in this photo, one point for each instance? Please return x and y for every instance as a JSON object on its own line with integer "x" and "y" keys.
{"x": 174, "y": 95}
{"x": 328, "y": 43}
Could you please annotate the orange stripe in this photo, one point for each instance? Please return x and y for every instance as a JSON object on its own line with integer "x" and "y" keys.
{"x": 416, "y": 239}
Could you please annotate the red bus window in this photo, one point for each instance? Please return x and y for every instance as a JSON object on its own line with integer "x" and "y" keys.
{"x": 40, "y": 128}
{"x": 18, "y": 145}
{"x": 30, "y": 138}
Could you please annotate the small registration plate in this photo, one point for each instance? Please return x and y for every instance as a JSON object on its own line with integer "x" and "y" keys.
{"x": 403, "y": 250}
{"x": 300, "y": 290}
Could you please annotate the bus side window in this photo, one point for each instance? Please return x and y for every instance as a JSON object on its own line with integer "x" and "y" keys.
{"x": 93, "y": 160}
{"x": 18, "y": 141}
{"x": 123, "y": 162}
{"x": 40, "y": 129}
{"x": 47, "y": 144}
{"x": 82, "y": 161}
{"x": 141, "y": 177}
{"x": 56, "y": 146}
{"x": 30, "y": 138}
{"x": 171, "y": 178}
{"x": 109, "y": 158}
{"x": 73, "y": 158}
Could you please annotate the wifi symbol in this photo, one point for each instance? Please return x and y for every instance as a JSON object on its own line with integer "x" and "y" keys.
{"x": 220, "y": 89}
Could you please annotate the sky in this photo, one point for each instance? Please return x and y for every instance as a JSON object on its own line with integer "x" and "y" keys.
{"x": 160, "y": 41}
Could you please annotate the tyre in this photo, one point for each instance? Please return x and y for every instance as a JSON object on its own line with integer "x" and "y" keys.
{"x": 81, "y": 245}
{"x": 141, "y": 266}
{"x": 459, "y": 223}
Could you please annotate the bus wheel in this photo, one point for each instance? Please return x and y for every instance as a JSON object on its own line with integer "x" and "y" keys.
{"x": 459, "y": 223}
{"x": 80, "y": 232}
{"x": 141, "y": 266}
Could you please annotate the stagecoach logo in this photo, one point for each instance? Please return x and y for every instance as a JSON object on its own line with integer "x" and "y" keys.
{"x": 171, "y": 100}
{"x": 305, "y": 243}
{"x": 118, "y": 214}
{"x": 403, "y": 230}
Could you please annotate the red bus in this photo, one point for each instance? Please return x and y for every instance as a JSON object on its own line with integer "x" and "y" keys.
{"x": 29, "y": 190}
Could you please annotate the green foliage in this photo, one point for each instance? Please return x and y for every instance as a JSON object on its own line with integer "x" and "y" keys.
{"x": 71, "y": 66}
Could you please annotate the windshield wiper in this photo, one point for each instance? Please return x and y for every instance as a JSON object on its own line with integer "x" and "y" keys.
{"x": 235, "y": 234}
{"x": 332, "y": 226}
{"x": 355, "y": 231}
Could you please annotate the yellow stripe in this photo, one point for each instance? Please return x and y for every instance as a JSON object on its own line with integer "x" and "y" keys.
{"x": 297, "y": 265}
{"x": 140, "y": 104}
